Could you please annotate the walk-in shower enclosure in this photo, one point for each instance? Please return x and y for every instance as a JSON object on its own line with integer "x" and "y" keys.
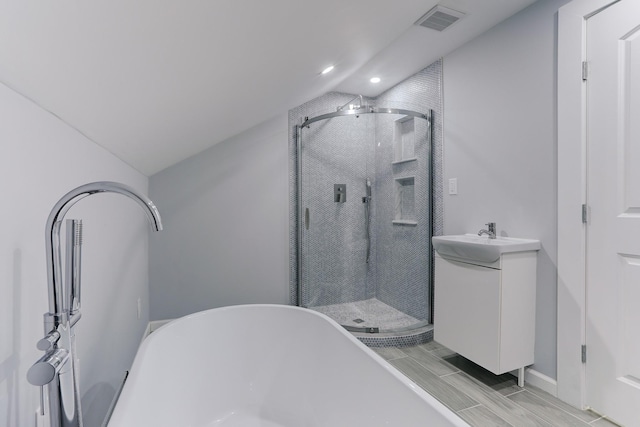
{"x": 364, "y": 208}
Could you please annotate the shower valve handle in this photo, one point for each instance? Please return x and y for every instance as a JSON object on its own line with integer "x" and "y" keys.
{"x": 45, "y": 369}
{"x": 48, "y": 341}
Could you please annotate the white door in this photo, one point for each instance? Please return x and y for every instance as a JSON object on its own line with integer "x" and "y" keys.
{"x": 613, "y": 193}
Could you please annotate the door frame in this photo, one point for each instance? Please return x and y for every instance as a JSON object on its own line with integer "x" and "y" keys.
{"x": 572, "y": 193}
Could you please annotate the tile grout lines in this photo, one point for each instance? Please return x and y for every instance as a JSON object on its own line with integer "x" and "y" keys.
{"x": 524, "y": 399}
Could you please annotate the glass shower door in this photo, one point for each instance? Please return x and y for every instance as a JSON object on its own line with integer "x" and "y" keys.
{"x": 365, "y": 220}
{"x": 336, "y": 160}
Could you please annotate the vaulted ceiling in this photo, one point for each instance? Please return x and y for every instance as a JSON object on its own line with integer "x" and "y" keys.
{"x": 156, "y": 81}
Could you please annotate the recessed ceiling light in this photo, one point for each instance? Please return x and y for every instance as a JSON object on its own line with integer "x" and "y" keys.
{"x": 375, "y": 80}
{"x": 328, "y": 69}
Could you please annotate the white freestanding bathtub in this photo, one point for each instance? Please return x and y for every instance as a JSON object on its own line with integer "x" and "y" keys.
{"x": 268, "y": 366}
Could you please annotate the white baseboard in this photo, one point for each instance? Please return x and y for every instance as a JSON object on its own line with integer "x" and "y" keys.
{"x": 147, "y": 331}
{"x": 155, "y": 324}
{"x": 543, "y": 382}
{"x": 152, "y": 326}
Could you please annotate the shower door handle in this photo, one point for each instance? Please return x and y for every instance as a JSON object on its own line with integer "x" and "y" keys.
{"x": 306, "y": 218}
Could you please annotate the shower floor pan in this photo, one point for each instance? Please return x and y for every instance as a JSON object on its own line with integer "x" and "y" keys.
{"x": 370, "y": 313}
{"x": 397, "y": 328}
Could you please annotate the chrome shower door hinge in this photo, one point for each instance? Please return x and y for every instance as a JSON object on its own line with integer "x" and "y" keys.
{"x": 584, "y": 354}
{"x": 585, "y": 71}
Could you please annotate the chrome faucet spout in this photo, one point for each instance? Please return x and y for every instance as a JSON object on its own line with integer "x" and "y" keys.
{"x": 491, "y": 232}
{"x": 59, "y": 341}
{"x": 54, "y": 223}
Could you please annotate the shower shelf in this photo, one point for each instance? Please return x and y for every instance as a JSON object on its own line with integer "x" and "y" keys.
{"x": 404, "y": 132}
{"x": 404, "y": 222}
{"x": 405, "y": 201}
{"x": 398, "y": 162}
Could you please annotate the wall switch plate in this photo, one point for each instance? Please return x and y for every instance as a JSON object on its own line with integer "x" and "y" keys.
{"x": 453, "y": 186}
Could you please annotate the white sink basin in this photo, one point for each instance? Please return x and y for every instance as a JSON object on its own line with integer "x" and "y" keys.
{"x": 481, "y": 248}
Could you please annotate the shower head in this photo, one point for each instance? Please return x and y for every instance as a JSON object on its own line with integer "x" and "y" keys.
{"x": 353, "y": 106}
{"x": 368, "y": 188}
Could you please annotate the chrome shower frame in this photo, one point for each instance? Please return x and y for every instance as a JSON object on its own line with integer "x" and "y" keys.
{"x": 367, "y": 110}
{"x": 56, "y": 370}
{"x": 303, "y": 217}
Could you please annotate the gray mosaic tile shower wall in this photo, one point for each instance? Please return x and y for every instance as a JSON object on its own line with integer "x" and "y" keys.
{"x": 348, "y": 150}
{"x": 402, "y": 251}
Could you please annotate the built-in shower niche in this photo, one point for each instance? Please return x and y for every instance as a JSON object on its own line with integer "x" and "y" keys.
{"x": 405, "y": 211}
{"x": 404, "y": 137}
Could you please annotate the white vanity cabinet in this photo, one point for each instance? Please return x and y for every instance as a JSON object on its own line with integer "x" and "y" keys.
{"x": 485, "y": 311}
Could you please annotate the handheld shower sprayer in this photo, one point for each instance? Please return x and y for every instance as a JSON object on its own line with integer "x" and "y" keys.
{"x": 367, "y": 218}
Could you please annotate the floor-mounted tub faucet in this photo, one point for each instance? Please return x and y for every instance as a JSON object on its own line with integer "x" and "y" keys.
{"x": 491, "y": 232}
{"x": 59, "y": 341}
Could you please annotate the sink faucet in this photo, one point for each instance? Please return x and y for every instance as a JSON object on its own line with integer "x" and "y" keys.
{"x": 64, "y": 307}
{"x": 491, "y": 232}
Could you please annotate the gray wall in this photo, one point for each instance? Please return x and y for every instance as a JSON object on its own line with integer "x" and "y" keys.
{"x": 500, "y": 142}
{"x": 225, "y": 213}
{"x": 41, "y": 159}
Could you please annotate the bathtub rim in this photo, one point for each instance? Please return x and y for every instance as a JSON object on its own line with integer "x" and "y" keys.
{"x": 412, "y": 387}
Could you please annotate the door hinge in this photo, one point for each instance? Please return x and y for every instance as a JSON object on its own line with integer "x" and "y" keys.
{"x": 585, "y": 214}
{"x": 585, "y": 70}
{"x": 584, "y": 353}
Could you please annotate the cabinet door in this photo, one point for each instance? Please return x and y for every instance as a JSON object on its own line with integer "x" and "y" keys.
{"x": 467, "y": 311}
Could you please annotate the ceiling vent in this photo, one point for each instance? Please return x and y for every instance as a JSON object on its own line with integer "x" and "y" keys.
{"x": 440, "y": 18}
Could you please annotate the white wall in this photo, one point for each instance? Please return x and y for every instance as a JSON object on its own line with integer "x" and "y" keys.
{"x": 225, "y": 213}
{"x": 500, "y": 142}
{"x": 41, "y": 159}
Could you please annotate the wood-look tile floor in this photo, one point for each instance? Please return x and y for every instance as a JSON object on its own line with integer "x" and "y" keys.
{"x": 481, "y": 398}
